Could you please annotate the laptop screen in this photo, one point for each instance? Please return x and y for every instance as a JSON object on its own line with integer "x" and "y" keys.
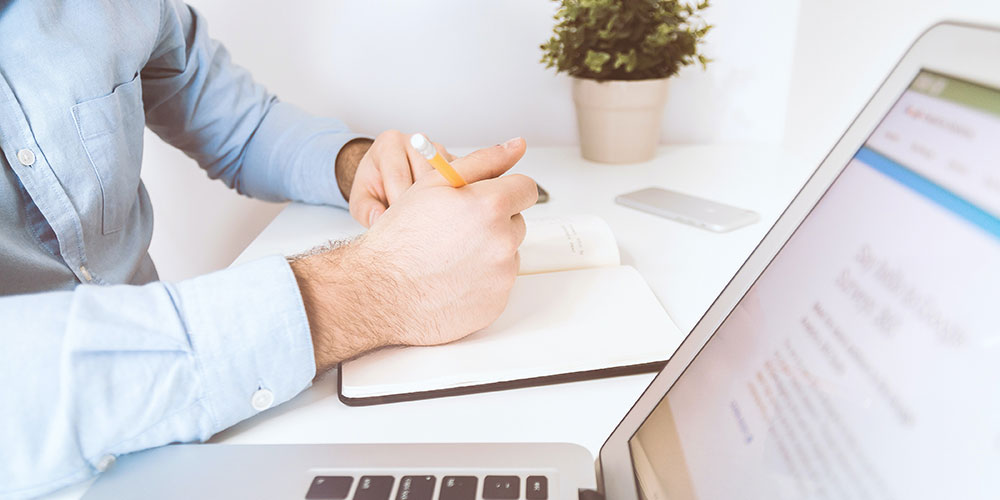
{"x": 864, "y": 362}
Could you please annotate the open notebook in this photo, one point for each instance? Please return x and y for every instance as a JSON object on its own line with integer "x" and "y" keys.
{"x": 575, "y": 313}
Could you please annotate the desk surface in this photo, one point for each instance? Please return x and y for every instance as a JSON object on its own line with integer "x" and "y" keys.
{"x": 685, "y": 266}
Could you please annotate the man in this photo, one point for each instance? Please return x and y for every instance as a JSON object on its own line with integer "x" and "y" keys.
{"x": 99, "y": 358}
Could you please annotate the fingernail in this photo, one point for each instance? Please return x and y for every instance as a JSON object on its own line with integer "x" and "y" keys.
{"x": 510, "y": 143}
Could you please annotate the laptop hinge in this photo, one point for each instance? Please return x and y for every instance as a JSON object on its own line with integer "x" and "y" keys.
{"x": 590, "y": 495}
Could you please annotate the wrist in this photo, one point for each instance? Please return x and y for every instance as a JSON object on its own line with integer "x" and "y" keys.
{"x": 346, "y": 164}
{"x": 349, "y": 302}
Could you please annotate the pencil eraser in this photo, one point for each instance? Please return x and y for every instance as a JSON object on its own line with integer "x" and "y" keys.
{"x": 423, "y": 146}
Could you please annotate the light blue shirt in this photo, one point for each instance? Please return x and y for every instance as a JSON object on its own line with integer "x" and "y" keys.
{"x": 97, "y": 357}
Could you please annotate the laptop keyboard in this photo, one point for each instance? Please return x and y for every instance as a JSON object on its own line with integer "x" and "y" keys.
{"x": 424, "y": 487}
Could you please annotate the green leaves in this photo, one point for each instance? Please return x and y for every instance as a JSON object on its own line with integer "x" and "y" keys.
{"x": 595, "y": 60}
{"x": 643, "y": 38}
{"x": 630, "y": 61}
{"x": 661, "y": 36}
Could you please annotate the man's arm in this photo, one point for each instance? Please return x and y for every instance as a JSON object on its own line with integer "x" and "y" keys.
{"x": 106, "y": 370}
{"x": 102, "y": 371}
{"x": 201, "y": 103}
{"x": 197, "y": 100}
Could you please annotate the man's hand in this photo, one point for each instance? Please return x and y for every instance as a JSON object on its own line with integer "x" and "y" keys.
{"x": 438, "y": 265}
{"x": 374, "y": 181}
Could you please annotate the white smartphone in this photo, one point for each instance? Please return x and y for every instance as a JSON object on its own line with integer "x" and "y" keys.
{"x": 698, "y": 212}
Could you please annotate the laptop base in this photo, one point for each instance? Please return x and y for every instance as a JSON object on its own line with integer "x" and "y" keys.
{"x": 322, "y": 470}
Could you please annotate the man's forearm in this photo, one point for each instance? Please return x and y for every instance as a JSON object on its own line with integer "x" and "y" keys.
{"x": 101, "y": 371}
{"x": 352, "y": 299}
{"x": 347, "y": 162}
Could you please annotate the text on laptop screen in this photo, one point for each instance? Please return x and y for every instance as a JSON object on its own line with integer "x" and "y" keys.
{"x": 863, "y": 363}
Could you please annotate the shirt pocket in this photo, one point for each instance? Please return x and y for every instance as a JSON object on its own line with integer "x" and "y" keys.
{"x": 111, "y": 130}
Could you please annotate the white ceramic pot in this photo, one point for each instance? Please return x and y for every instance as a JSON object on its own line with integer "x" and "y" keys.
{"x": 619, "y": 121}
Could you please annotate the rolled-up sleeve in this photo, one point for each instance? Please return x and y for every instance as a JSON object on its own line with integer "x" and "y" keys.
{"x": 197, "y": 100}
{"x": 110, "y": 370}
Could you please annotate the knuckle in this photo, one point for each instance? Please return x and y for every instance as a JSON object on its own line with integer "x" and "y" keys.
{"x": 397, "y": 172}
{"x": 512, "y": 246}
{"x": 510, "y": 276}
{"x": 522, "y": 179}
{"x": 518, "y": 236}
{"x": 498, "y": 255}
{"x": 519, "y": 222}
{"x": 494, "y": 202}
{"x": 526, "y": 184}
{"x": 389, "y": 134}
{"x": 506, "y": 249}
{"x": 480, "y": 156}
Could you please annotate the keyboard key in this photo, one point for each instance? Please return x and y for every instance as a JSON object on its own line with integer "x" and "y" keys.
{"x": 458, "y": 488}
{"x": 536, "y": 488}
{"x": 502, "y": 487}
{"x": 329, "y": 487}
{"x": 416, "y": 488}
{"x": 374, "y": 488}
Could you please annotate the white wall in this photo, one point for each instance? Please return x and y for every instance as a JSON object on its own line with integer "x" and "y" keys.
{"x": 465, "y": 72}
{"x": 845, "y": 49}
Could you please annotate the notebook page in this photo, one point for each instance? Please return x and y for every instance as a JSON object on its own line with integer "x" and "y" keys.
{"x": 554, "y": 323}
{"x": 563, "y": 243}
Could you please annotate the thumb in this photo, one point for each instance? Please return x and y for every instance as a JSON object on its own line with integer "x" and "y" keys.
{"x": 491, "y": 162}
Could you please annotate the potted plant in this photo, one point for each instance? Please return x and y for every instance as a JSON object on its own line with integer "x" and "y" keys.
{"x": 620, "y": 54}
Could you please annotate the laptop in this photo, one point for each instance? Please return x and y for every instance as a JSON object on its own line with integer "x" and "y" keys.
{"x": 856, "y": 353}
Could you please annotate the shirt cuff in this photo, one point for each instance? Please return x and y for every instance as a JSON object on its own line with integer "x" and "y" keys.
{"x": 320, "y": 160}
{"x": 301, "y": 151}
{"x": 254, "y": 347}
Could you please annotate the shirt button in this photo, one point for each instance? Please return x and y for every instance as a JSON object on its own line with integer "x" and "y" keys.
{"x": 105, "y": 463}
{"x": 26, "y": 157}
{"x": 262, "y": 399}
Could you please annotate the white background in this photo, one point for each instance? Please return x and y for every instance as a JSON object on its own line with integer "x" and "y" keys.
{"x": 466, "y": 72}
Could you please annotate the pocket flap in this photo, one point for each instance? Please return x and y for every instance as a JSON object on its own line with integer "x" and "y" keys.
{"x": 103, "y": 115}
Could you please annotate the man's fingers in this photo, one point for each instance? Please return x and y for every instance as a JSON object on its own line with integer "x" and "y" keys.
{"x": 396, "y": 175}
{"x": 524, "y": 191}
{"x": 491, "y": 162}
{"x": 365, "y": 208}
{"x": 510, "y": 194}
{"x": 418, "y": 164}
{"x": 520, "y": 228}
{"x": 444, "y": 152}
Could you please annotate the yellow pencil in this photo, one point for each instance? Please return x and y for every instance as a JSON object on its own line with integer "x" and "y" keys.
{"x": 428, "y": 151}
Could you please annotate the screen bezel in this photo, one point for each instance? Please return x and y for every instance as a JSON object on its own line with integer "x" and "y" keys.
{"x": 960, "y": 50}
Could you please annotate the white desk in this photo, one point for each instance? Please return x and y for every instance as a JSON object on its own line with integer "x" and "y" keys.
{"x": 685, "y": 266}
